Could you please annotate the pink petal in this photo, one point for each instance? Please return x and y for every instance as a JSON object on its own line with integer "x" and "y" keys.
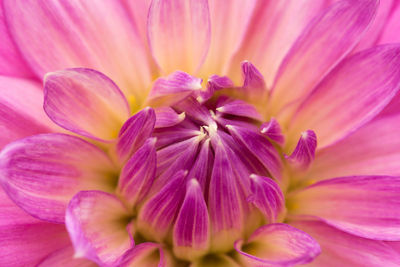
{"x": 366, "y": 206}
{"x": 214, "y": 83}
{"x": 157, "y": 215}
{"x": 174, "y": 88}
{"x": 179, "y": 33}
{"x": 41, "y": 173}
{"x": 277, "y": 245}
{"x": 321, "y": 46}
{"x": 304, "y": 153}
{"x": 146, "y": 255}
{"x": 343, "y": 249}
{"x": 254, "y": 87}
{"x": 135, "y": 132}
{"x": 390, "y": 32}
{"x": 240, "y": 108}
{"x": 374, "y": 148}
{"x": 138, "y": 173}
{"x": 191, "y": 234}
{"x": 267, "y": 197}
{"x": 24, "y": 240}
{"x": 102, "y": 239}
{"x": 21, "y": 110}
{"x": 273, "y": 131}
{"x": 11, "y": 61}
{"x": 203, "y": 164}
{"x": 167, "y": 117}
{"x": 352, "y": 94}
{"x": 273, "y": 28}
{"x": 65, "y": 257}
{"x": 85, "y": 102}
{"x": 97, "y": 35}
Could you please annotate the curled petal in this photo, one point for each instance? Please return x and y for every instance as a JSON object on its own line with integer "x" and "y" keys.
{"x": 272, "y": 130}
{"x": 278, "y": 245}
{"x": 167, "y": 117}
{"x": 191, "y": 235}
{"x": 240, "y": 108}
{"x": 41, "y": 173}
{"x": 138, "y": 173}
{"x": 85, "y": 102}
{"x": 214, "y": 83}
{"x": 96, "y": 222}
{"x": 304, "y": 153}
{"x": 179, "y": 33}
{"x": 366, "y": 206}
{"x": 135, "y": 132}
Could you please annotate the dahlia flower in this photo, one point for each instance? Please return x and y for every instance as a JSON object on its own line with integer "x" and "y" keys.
{"x": 199, "y": 133}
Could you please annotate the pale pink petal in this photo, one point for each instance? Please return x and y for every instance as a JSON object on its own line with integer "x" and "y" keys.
{"x": 41, "y": 173}
{"x": 96, "y": 222}
{"x": 272, "y": 30}
{"x": 21, "y": 110}
{"x": 179, "y": 33}
{"x": 366, "y": 206}
{"x": 65, "y": 257}
{"x": 317, "y": 50}
{"x": 167, "y": 117}
{"x": 390, "y": 33}
{"x": 11, "y": 61}
{"x": 191, "y": 234}
{"x": 138, "y": 174}
{"x": 139, "y": 11}
{"x": 373, "y": 149}
{"x": 343, "y": 249}
{"x": 173, "y": 88}
{"x": 267, "y": 197}
{"x": 85, "y": 102}
{"x": 351, "y": 95}
{"x": 304, "y": 153}
{"x": 277, "y": 245}
{"x": 229, "y": 22}
{"x": 24, "y": 240}
{"x": 145, "y": 254}
{"x": 135, "y": 132}
{"x": 98, "y": 35}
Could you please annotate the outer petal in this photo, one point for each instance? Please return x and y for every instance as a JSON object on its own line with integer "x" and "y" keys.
{"x": 273, "y": 28}
{"x": 373, "y": 149}
{"x": 11, "y": 61}
{"x": 96, "y": 222}
{"x": 179, "y": 33}
{"x": 390, "y": 33}
{"x": 65, "y": 257}
{"x": 21, "y": 110}
{"x": 352, "y": 94}
{"x": 85, "y": 102}
{"x": 366, "y": 206}
{"x": 24, "y": 240}
{"x": 343, "y": 249}
{"x": 191, "y": 235}
{"x": 319, "y": 48}
{"x": 98, "y": 35}
{"x": 41, "y": 173}
{"x": 278, "y": 245}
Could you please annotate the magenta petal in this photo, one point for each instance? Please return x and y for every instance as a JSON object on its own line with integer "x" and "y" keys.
{"x": 366, "y": 206}
{"x": 201, "y": 168}
{"x": 85, "y": 102}
{"x": 304, "y": 153}
{"x": 41, "y": 173}
{"x": 157, "y": 215}
{"x": 278, "y": 245}
{"x": 254, "y": 86}
{"x": 146, "y": 255}
{"x": 96, "y": 222}
{"x": 167, "y": 117}
{"x": 179, "y": 33}
{"x": 174, "y": 88}
{"x": 351, "y": 95}
{"x": 343, "y": 249}
{"x": 267, "y": 197}
{"x": 214, "y": 83}
{"x": 65, "y": 257}
{"x": 135, "y": 132}
{"x": 138, "y": 173}
{"x": 240, "y": 108}
{"x": 272, "y": 130}
{"x": 191, "y": 234}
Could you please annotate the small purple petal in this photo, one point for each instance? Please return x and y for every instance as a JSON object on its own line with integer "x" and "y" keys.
{"x": 138, "y": 173}
{"x": 167, "y": 117}
{"x": 273, "y": 131}
{"x": 135, "y": 132}
{"x": 240, "y": 108}
{"x": 191, "y": 235}
{"x": 214, "y": 84}
{"x": 201, "y": 168}
{"x": 253, "y": 80}
{"x": 304, "y": 153}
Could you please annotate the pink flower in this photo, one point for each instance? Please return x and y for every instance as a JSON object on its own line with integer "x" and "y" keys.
{"x": 155, "y": 141}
